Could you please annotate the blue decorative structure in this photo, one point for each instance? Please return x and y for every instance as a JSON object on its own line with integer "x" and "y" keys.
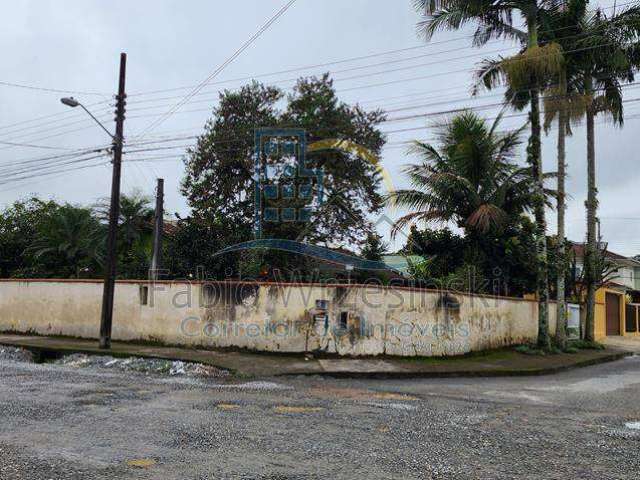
{"x": 289, "y": 142}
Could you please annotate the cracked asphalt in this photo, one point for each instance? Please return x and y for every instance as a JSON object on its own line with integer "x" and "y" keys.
{"x": 68, "y": 422}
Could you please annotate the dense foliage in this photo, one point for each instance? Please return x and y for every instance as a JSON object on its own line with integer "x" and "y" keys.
{"x": 219, "y": 181}
{"x": 46, "y": 239}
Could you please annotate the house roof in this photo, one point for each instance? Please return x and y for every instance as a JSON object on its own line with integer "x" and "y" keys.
{"x": 579, "y": 251}
{"x": 401, "y": 262}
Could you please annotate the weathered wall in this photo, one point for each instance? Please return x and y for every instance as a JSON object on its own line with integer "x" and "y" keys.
{"x": 351, "y": 320}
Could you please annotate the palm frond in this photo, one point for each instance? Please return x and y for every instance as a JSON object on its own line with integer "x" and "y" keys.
{"x": 485, "y": 217}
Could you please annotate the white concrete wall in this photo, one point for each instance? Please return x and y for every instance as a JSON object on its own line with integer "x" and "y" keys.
{"x": 274, "y": 317}
{"x": 624, "y": 276}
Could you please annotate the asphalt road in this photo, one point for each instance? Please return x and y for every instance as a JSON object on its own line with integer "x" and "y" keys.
{"x": 65, "y": 422}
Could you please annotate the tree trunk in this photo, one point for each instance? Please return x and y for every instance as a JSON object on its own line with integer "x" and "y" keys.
{"x": 542, "y": 281}
{"x": 561, "y": 309}
{"x": 592, "y": 206}
{"x": 535, "y": 161}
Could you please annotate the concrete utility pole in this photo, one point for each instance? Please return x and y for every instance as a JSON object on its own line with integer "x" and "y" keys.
{"x": 106, "y": 318}
{"x": 158, "y": 226}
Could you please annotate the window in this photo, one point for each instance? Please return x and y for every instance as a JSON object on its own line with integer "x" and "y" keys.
{"x": 344, "y": 320}
{"x": 322, "y": 304}
{"x": 144, "y": 294}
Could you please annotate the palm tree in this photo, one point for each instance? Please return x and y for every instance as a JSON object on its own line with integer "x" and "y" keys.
{"x": 470, "y": 179}
{"x": 525, "y": 72}
{"x": 72, "y": 237}
{"x": 135, "y": 224}
{"x": 608, "y": 55}
{"x": 562, "y": 102}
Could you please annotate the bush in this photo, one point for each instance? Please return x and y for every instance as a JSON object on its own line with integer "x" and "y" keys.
{"x": 529, "y": 350}
{"x": 586, "y": 345}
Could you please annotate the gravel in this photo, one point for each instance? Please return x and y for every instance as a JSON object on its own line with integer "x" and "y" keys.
{"x": 15, "y": 354}
{"x": 77, "y": 420}
{"x": 142, "y": 365}
{"x": 149, "y": 366}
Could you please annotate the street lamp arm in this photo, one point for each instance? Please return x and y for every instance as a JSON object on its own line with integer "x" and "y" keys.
{"x": 98, "y": 122}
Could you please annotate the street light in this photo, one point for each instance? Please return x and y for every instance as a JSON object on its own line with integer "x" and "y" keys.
{"x": 106, "y": 316}
{"x": 73, "y": 103}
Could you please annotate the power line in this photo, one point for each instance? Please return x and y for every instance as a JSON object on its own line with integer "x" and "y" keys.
{"x": 101, "y": 114}
{"x": 217, "y": 71}
{"x": 51, "y": 115}
{"x": 160, "y": 157}
{"x": 353, "y": 59}
{"x": 319, "y": 65}
{"x": 40, "y": 174}
{"x": 234, "y": 138}
{"x": 41, "y": 168}
{"x": 200, "y": 86}
{"x": 514, "y": 115}
{"x": 291, "y": 70}
{"x": 362, "y": 67}
{"x": 30, "y": 145}
{"x": 349, "y": 78}
{"x": 53, "y": 160}
{"x": 176, "y": 156}
{"x": 51, "y": 90}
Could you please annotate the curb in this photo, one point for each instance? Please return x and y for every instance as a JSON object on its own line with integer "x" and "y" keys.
{"x": 532, "y": 372}
{"x": 51, "y": 352}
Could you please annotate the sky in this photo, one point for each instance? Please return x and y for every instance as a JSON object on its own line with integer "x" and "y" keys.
{"x": 73, "y": 48}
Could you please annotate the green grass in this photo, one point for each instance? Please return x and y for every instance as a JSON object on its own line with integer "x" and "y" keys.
{"x": 530, "y": 350}
{"x": 586, "y": 345}
{"x": 484, "y": 356}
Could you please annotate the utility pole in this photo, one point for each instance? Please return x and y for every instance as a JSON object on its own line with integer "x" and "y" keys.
{"x": 156, "y": 259}
{"x": 106, "y": 318}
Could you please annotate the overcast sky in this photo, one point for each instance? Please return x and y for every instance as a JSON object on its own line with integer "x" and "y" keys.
{"x": 75, "y": 45}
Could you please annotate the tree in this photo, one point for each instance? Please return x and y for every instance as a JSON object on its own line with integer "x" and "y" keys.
{"x": 469, "y": 179}
{"x": 562, "y": 102}
{"x": 219, "y": 170}
{"x": 374, "y": 248}
{"x": 135, "y": 233}
{"x": 525, "y": 73}
{"x": 19, "y": 225}
{"x": 351, "y": 183}
{"x": 609, "y": 56}
{"x": 219, "y": 183}
{"x": 472, "y": 181}
{"x": 72, "y": 239}
{"x": 191, "y": 247}
{"x": 443, "y": 249}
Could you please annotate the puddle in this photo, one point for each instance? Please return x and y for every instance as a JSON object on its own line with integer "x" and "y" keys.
{"x": 394, "y": 396}
{"x": 292, "y": 409}
{"x": 141, "y": 462}
{"x": 256, "y": 386}
{"x": 394, "y": 406}
{"x": 516, "y": 395}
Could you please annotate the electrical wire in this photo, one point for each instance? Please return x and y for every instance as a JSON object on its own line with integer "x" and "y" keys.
{"x": 352, "y": 59}
{"x": 30, "y": 145}
{"x": 306, "y": 68}
{"x": 156, "y": 158}
{"x": 349, "y": 89}
{"x": 235, "y": 138}
{"x": 218, "y": 70}
{"x": 51, "y": 90}
{"x": 40, "y": 174}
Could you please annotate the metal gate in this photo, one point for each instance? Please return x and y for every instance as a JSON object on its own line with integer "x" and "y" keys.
{"x": 612, "y": 304}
